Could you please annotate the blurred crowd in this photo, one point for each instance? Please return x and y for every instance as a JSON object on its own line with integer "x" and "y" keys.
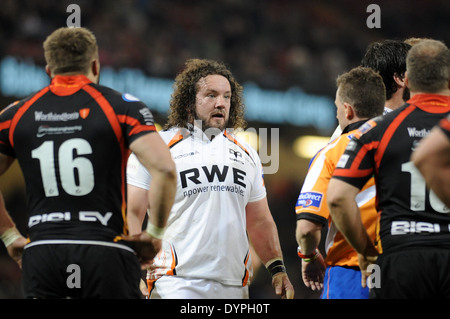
{"x": 276, "y": 44}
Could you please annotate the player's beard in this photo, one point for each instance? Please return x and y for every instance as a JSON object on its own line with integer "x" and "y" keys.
{"x": 210, "y": 126}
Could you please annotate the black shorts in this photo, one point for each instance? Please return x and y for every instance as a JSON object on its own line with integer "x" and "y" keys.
{"x": 414, "y": 274}
{"x": 80, "y": 271}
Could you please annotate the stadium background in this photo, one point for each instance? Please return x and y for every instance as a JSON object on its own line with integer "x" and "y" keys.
{"x": 287, "y": 51}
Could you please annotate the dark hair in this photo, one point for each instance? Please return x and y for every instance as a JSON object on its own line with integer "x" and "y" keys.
{"x": 388, "y": 58}
{"x": 182, "y": 103}
{"x": 362, "y": 88}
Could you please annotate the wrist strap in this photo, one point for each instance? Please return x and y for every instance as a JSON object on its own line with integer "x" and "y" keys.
{"x": 155, "y": 231}
{"x": 10, "y": 236}
{"x": 309, "y": 257}
{"x": 275, "y": 266}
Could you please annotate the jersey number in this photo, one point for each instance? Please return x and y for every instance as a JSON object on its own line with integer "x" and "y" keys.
{"x": 418, "y": 191}
{"x": 75, "y": 171}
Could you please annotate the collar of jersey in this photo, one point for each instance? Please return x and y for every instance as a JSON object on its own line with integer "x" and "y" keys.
{"x": 63, "y": 85}
{"x": 433, "y": 103}
{"x": 199, "y": 134}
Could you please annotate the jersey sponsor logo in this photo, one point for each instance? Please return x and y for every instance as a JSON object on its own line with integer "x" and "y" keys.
{"x": 415, "y": 227}
{"x": 310, "y": 200}
{"x": 48, "y": 130}
{"x": 414, "y": 132}
{"x": 192, "y": 153}
{"x": 85, "y": 216}
{"x": 236, "y": 156}
{"x": 214, "y": 188}
{"x": 84, "y": 113}
{"x": 194, "y": 176}
{"x": 235, "y": 153}
{"x": 40, "y": 116}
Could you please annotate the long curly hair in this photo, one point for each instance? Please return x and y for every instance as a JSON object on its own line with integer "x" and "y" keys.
{"x": 182, "y": 102}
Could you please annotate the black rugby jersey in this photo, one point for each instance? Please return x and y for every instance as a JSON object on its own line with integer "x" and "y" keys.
{"x": 72, "y": 142}
{"x": 410, "y": 215}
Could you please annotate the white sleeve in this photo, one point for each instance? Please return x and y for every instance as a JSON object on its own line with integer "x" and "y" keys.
{"x": 137, "y": 174}
{"x": 259, "y": 189}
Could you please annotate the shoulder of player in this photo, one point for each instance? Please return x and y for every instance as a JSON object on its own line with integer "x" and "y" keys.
{"x": 241, "y": 143}
{"x": 118, "y": 98}
{"x": 379, "y": 124}
{"x": 169, "y": 134}
{"x": 13, "y": 107}
{"x": 335, "y": 146}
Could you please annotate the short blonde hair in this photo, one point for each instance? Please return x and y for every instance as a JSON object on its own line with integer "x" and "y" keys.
{"x": 70, "y": 49}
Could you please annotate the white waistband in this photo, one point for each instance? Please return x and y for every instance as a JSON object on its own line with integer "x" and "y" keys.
{"x": 78, "y": 242}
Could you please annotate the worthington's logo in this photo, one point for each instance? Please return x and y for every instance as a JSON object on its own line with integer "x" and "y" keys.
{"x": 414, "y": 132}
{"x": 56, "y": 117}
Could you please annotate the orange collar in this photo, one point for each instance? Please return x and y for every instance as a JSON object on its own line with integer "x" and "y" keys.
{"x": 63, "y": 85}
{"x": 433, "y": 103}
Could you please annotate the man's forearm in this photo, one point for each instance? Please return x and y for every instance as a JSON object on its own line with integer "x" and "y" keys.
{"x": 308, "y": 235}
{"x": 161, "y": 197}
{"x": 5, "y": 220}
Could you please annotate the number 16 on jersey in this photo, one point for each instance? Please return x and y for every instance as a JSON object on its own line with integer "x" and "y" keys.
{"x": 76, "y": 172}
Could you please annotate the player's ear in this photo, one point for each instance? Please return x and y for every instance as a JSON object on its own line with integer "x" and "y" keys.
{"x": 406, "y": 79}
{"x": 47, "y": 70}
{"x": 95, "y": 67}
{"x": 349, "y": 111}
{"x": 400, "y": 80}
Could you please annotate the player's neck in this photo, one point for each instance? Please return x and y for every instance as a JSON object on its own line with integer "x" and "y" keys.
{"x": 395, "y": 101}
{"x": 445, "y": 92}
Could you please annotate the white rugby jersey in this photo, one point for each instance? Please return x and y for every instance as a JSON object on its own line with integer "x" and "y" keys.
{"x": 206, "y": 231}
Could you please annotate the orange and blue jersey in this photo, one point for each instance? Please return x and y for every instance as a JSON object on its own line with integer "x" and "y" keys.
{"x": 312, "y": 203}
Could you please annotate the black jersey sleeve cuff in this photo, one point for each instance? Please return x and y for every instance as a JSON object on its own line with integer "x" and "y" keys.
{"x": 313, "y": 218}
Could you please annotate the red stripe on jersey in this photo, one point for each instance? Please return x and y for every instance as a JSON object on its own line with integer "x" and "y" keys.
{"x": 232, "y": 139}
{"x": 21, "y": 111}
{"x": 354, "y": 170}
{"x": 107, "y": 109}
{"x": 445, "y": 124}
{"x": 390, "y": 132}
{"x": 143, "y": 128}
{"x": 5, "y": 125}
{"x": 137, "y": 126}
{"x": 353, "y": 173}
{"x": 114, "y": 121}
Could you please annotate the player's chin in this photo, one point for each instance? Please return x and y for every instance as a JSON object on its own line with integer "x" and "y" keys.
{"x": 217, "y": 123}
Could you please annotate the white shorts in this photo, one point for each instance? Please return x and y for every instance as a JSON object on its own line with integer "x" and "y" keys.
{"x": 174, "y": 287}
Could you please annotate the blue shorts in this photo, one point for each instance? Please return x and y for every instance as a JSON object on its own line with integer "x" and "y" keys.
{"x": 343, "y": 283}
